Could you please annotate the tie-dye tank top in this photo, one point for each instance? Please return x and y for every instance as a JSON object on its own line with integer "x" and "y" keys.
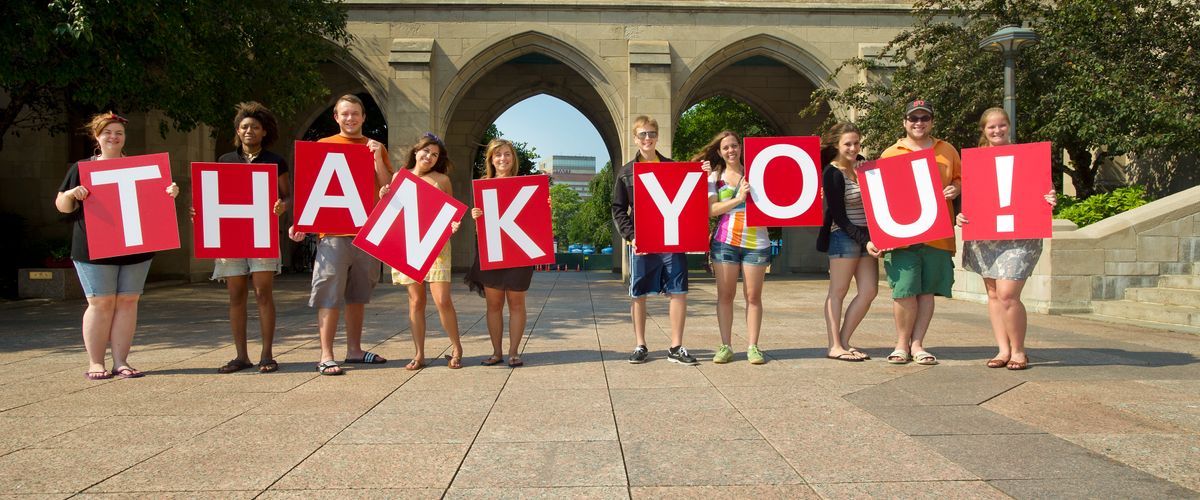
{"x": 732, "y": 228}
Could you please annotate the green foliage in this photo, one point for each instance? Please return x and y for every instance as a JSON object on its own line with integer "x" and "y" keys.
{"x": 593, "y": 222}
{"x": 564, "y": 205}
{"x": 1108, "y": 77}
{"x": 1100, "y": 206}
{"x": 192, "y": 59}
{"x": 526, "y": 154}
{"x": 700, "y": 123}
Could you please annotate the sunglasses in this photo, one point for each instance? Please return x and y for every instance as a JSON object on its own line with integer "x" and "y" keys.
{"x": 649, "y": 134}
{"x": 919, "y": 118}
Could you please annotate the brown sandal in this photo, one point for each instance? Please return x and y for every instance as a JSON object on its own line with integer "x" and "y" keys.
{"x": 997, "y": 363}
{"x": 1018, "y": 365}
{"x": 453, "y": 362}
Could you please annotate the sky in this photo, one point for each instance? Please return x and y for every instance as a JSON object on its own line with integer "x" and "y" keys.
{"x": 553, "y": 127}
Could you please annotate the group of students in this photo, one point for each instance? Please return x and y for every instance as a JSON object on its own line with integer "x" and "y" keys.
{"x": 344, "y": 276}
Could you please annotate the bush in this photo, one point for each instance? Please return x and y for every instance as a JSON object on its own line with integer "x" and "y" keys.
{"x": 1101, "y": 206}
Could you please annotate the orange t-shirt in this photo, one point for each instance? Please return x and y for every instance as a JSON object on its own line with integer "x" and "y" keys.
{"x": 341, "y": 139}
{"x": 949, "y": 164}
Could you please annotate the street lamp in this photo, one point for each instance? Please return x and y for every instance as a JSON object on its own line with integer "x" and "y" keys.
{"x": 1008, "y": 40}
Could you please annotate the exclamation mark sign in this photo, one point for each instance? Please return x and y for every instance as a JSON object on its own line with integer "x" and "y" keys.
{"x": 1004, "y": 183}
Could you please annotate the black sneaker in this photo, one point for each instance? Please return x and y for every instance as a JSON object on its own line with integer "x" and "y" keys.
{"x": 680, "y": 355}
{"x": 639, "y": 355}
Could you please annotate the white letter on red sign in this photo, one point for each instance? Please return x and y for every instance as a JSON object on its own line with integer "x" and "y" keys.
{"x": 808, "y": 187}
{"x": 126, "y": 181}
{"x": 335, "y": 164}
{"x": 405, "y": 200}
{"x": 925, "y": 196}
{"x": 506, "y": 223}
{"x": 259, "y": 209}
{"x": 670, "y": 208}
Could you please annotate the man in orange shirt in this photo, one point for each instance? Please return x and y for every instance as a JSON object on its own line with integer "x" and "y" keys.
{"x": 343, "y": 274}
{"x": 918, "y": 272}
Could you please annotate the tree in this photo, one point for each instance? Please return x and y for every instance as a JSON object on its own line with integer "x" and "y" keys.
{"x": 593, "y": 222}
{"x": 564, "y": 205}
{"x": 1109, "y": 77}
{"x": 700, "y": 123}
{"x": 192, "y": 59}
{"x": 526, "y": 154}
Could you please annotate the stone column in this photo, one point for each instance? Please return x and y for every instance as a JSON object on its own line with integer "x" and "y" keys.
{"x": 408, "y": 110}
{"x": 650, "y": 95}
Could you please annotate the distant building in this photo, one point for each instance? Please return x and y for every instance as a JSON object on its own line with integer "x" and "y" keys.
{"x": 574, "y": 171}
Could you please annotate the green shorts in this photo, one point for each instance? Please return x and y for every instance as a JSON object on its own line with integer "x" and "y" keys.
{"x": 918, "y": 270}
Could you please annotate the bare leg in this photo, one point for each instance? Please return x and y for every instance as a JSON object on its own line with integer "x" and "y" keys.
{"x": 516, "y": 321}
{"x": 495, "y": 319}
{"x": 637, "y": 309}
{"x": 1015, "y": 317}
{"x": 238, "y": 292}
{"x": 264, "y": 294}
{"x": 327, "y": 321}
{"x": 124, "y": 323}
{"x": 752, "y": 285}
{"x": 355, "y": 315}
{"x": 841, "y": 271}
{"x": 678, "y": 313}
{"x": 416, "y": 318}
{"x": 996, "y": 318}
{"x": 905, "y": 312}
{"x": 866, "y": 279}
{"x": 447, "y": 314}
{"x": 727, "y": 278}
{"x": 97, "y": 329}
{"x": 921, "y": 326}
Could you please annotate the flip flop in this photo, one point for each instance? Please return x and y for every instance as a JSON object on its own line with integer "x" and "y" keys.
{"x": 331, "y": 368}
{"x": 847, "y": 356}
{"x": 128, "y": 372}
{"x": 100, "y": 375}
{"x": 515, "y": 362}
{"x": 453, "y": 362}
{"x": 861, "y": 354}
{"x": 898, "y": 357}
{"x": 268, "y": 366}
{"x": 368, "y": 358}
{"x": 924, "y": 358}
{"x": 492, "y": 361}
{"x": 235, "y": 365}
{"x": 414, "y": 365}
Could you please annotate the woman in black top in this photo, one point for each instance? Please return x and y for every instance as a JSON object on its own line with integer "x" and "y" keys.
{"x": 113, "y": 285}
{"x": 844, "y": 237}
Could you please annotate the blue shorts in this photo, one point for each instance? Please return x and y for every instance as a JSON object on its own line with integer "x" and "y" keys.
{"x": 99, "y": 280}
{"x": 724, "y": 253}
{"x": 658, "y": 273}
{"x": 842, "y": 246}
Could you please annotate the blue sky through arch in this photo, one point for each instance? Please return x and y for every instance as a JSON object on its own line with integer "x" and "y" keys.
{"x": 553, "y": 127}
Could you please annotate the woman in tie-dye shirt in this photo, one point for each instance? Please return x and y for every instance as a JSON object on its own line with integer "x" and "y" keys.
{"x": 736, "y": 247}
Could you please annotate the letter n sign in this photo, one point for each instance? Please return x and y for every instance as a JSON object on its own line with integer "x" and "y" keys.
{"x": 129, "y": 210}
{"x": 234, "y": 210}
{"x": 410, "y": 225}
{"x": 515, "y": 229}
{"x": 785, "y": 181}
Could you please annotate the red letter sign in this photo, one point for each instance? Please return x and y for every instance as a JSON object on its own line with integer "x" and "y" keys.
{"x": 129, "y": 210}
{"x": 904, "y": 201}
{"x": 785, "y": 181}
{"x": 515, "y": 229}
{"x": 234, "y": 210}
{"x": 670, "y": 207}
{"x": 996, "y": 207}
{"x": 335, "y": 187}
{"x": 411, "y": 243}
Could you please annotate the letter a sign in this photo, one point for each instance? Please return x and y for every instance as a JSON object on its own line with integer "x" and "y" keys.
{"x": 670, "y": 207}
{"x": 234, "y": 210}
{"x": 410, "y": 225}
{"x": 335, "y": 187}
{"x": 903, "y": 199}
{"x": 785, "y": 181}
{"x": 515, "y": 229}
{"x": 129, "y": 210}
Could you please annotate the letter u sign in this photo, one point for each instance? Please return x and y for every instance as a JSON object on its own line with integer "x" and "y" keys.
{"x": 903, "y": 199}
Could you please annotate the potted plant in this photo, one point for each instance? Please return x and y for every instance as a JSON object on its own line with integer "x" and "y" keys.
{"x": 60, "y": 254}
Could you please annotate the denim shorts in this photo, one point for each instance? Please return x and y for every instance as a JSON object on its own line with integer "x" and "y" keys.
{"x": 724, "y": 253}
{"x": 842, "y": 246}
{"x": 225, "y": 268}
{"x": 99, "y": 280}
{"x": 662, "y": 273}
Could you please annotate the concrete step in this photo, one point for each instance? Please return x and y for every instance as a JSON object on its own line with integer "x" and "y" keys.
{"x": 1165, "y": 296}
{"x": 1183, "y": 318}
{"x": 1191, "y": 282}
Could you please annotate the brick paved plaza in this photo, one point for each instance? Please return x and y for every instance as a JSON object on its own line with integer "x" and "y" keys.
{"x": 1105, "y": 411}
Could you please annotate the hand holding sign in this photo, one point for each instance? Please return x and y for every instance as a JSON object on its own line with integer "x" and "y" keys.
{"x": 904, "y": 200}
{"x": 410, "y": 243}
{"x": 998, "y": 207}
{"x": 515, "y": 227}
{"x": 670, "y": 203}
{"x": 127, "y": 211}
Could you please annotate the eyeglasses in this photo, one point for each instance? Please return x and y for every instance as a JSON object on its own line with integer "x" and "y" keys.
{"x": 919, "y": 118}
{"x": 648, "y": 134}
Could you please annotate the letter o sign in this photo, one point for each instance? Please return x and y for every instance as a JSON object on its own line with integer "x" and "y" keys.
{"x": 765, "y": 211}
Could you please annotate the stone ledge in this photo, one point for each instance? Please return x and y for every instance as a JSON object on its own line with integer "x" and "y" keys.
{"x": 411, "y": 51}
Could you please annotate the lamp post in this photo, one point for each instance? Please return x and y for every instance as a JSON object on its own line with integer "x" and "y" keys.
{"x": 1008, "y": 40}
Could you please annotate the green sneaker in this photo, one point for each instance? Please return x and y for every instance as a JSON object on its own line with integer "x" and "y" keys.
{"x": 754, "y": 355}
{"x": 723, "y": 355}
